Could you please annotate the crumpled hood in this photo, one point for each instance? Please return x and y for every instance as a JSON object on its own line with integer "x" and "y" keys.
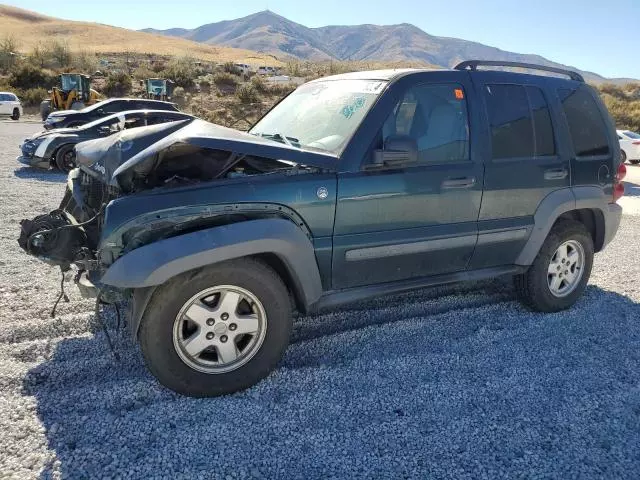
{"x": 102, "y": 157}
{"x": 109, "y": 157}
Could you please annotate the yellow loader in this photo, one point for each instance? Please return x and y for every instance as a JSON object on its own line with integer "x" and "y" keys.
{"x": 73, "y": 93}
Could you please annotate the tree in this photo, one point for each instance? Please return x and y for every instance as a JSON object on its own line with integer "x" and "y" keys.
{"x": 8, "y": 49}
{"x": 40, "y": 54}
{"x": 60, "y": 52}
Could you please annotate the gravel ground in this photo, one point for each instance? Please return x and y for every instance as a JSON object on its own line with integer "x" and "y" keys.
{"x": 456, "y": 382}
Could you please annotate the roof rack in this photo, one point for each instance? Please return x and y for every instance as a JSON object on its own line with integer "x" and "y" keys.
{"x": 474, "y": 64}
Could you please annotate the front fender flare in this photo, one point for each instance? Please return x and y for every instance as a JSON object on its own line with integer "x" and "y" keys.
{"x": 154, "y": 264}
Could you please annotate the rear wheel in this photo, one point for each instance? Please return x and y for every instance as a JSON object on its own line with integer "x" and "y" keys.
{"x": 217, "y": 330}
{"x": 634, "y": 162}
{"x": 560, "y": 272}
{"x": 45, "y": 109}
{"x": 624, "y": 156}
{"x": 16, "y": 114}
{"x": 66, "y": 158}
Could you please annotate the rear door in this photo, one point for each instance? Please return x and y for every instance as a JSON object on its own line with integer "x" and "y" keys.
{"x": 524, "y": 162}
{"x": 394, "y": 223}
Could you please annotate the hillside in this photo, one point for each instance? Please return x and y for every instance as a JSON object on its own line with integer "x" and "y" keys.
{"x": 30, "y": 28}
{"x": 268, "y": 32}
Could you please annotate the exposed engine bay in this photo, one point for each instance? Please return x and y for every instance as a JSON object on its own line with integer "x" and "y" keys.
{"x": 152, "y": 159}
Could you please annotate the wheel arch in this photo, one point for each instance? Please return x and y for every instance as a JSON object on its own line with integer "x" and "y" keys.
{"x": 279, "y": 243}
{"x": 586, "y": 204}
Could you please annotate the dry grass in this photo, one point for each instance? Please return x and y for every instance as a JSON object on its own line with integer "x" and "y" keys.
{"x": 31, "y": 28}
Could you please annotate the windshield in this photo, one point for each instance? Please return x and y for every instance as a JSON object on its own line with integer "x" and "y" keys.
{"x": 69, "y": 82}
{"x": 320, "y": 115}
{"x": 633, "y": 135}
{"x": 156, "y": 86}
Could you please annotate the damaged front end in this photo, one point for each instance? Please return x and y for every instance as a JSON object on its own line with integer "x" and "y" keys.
{"x": 150, "y": 183}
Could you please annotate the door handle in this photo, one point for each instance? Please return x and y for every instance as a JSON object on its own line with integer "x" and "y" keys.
{"x": 463, "y": 182}
{"x": 556, "y": 174}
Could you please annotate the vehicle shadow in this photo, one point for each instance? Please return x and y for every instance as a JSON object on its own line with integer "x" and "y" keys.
{"x": 631, "y": 189}
{"x": 464, "y": 382}
{"x": 33, "y": 173}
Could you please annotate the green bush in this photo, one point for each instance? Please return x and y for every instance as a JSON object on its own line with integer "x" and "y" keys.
{"x": 229, "y": 67}
{"x": 225, "y": 79}
{"x": 118, "y": 85}
{"x": 28, "y": 76}
{"x": 260, "y": 84}
{"x": 247, "y": 93}
{"x": 32, "y": 96}
{"x": 182, "y": 71}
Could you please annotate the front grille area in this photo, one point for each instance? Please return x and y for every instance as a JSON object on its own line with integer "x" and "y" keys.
{"x": 95, "y": 192}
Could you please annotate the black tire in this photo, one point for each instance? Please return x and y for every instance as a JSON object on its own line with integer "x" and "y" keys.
{"x": 66, "y": 158}
{"x": 16, "y": 114}
{"x": 45, "y": 109}
{"x": 532, "y": 286}
{"x": 623, "y": 156}
{"x": 156, "y": 329}
{"x": 634, "y": 162}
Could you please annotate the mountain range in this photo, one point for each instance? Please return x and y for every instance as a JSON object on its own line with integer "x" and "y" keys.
{"x": 268, "y": 32}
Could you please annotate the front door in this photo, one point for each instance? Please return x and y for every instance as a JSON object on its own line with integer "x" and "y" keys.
{"x": 5, "y": 104}
{"x": 395, "y": 223}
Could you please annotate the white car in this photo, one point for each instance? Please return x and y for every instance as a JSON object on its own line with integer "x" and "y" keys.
{"x": 263, "y": 70}
{"x": 629, "y": 145}
{"x": 10, "y": 105}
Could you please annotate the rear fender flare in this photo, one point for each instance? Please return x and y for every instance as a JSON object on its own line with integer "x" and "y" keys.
{"x": 552, "y": 207}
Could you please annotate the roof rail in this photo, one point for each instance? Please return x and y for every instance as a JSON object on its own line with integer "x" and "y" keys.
{"x": 474, "y": 64}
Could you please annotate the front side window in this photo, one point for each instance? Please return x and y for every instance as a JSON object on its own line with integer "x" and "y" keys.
{"x": 586, "y": 125}
{"x": 320, "y": 115}
{"x": 520, "y": 122}
{"x": 435, "y": 118}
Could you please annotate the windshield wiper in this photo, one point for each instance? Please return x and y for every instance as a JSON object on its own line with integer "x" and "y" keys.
{"x": 289, "y": 141}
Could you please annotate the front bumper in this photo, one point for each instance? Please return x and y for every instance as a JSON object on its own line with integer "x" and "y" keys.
{"x": 611, "y": 222}
{"x": 34, "y": 161}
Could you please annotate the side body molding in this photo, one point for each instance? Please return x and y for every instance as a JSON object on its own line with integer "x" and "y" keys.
{"x": 554, "y": 205}
{"x": 154, "y": 264}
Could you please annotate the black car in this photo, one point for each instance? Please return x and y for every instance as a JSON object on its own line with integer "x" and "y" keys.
{"x": 75, "y": 118}
{"x": 55, "y": 148}
{"x": 353, "y": 186}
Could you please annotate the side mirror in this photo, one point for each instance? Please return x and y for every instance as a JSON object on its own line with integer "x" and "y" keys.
{"x": 100, "y": 111}
{"x": 104, "y": 130}
{"x": 398, "y": 150}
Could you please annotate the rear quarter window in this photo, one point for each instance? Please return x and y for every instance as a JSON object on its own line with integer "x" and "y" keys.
{"x": 587, "y": 127}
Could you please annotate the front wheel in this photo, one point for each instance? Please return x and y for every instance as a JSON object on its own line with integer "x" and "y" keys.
{"x": 16, "y": 114}
{"x": 217, "y": 330}
{"x": 560, "y": 272}
{"x": 66, "y": 158}
{"x": 623, "y": 156}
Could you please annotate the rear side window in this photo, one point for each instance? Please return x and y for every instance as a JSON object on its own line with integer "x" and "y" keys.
{"x": 587, "y": 127}
{"x": 520, "y": 122}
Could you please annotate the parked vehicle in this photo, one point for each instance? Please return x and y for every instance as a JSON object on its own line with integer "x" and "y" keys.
{"x": 10, "y": 105}
{"x": 629, "y": 146}
{"x": 243, "y": 68}
{"x": 56, "y": 148}
{"x": 71, "y": 118}
{"x": 353, "y": 186}
{"x": 159, "y": 88}
{"x": 73, "y": 92}
{"x": 264, "y": 70}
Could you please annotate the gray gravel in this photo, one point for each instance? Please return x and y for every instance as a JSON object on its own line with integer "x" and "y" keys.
{"x": 456, "y": 382}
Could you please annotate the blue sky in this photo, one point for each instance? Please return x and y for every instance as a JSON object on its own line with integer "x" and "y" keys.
{"x": 597, "y": 35}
